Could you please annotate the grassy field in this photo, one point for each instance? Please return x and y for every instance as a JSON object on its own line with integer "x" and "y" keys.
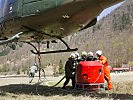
{"x": 20, "y": 89}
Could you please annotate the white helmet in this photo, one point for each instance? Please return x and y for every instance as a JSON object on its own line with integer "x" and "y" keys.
{"x": 90, "y": 54}
{"x": 84, "y": 53}
{"x": 99, "y": 52}
{"x": 76, "y": 54}
{"x": 72, "y": 55}
{"x": 35, "y": 64}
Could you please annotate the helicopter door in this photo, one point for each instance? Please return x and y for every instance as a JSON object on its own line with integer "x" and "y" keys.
{"x": 31, "y": 7}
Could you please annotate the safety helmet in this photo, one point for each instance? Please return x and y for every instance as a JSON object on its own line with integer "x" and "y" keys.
{"x": 76, "y": 54}
{"x": 99, "y": 52}
{"x": 83, "y": 53}
{"x": 90, "y": 54}
{"x": 35, "y": 64}
{"x": 72, "y": 55}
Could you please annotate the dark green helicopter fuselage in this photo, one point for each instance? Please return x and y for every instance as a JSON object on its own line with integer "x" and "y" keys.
{"x": 54, "y": 17}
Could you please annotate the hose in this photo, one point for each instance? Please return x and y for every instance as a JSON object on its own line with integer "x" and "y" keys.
{"x": 39, "y": 82}
{"x": 59, "y": 81}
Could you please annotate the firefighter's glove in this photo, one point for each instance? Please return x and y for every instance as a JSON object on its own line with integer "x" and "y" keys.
{"x": 73, "y": 73}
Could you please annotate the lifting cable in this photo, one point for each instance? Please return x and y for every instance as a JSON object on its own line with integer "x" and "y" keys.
{"x": 39, "y": 63}
{"x": 35, "y": 57}
{"x": 39, "y": 68}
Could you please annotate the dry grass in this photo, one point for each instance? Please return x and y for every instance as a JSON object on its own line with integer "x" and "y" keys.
{"x": 19, "y": 89}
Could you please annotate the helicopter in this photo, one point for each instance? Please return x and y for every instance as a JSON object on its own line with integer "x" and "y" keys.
{"x": 45, "y": 21}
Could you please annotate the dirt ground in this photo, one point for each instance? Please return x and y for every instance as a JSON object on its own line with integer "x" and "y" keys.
{"x": 18, "y": 88}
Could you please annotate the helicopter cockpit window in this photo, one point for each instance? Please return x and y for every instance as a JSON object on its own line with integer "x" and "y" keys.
{"x": 1, "y": 9}
{"x": 10, "y": 8}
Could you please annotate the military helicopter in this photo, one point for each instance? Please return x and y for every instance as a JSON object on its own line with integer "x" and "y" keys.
{"x": 45, "y": 21}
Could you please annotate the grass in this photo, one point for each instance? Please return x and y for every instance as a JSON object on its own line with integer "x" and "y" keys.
{"x": 18, "y": 89}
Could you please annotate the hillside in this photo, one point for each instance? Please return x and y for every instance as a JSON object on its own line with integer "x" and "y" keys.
{"x": 113, "y": 35}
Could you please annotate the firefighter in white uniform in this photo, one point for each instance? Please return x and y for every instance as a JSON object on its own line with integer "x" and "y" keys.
{"x": 32, "y": 71}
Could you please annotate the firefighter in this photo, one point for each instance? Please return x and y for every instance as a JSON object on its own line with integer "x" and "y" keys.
{"x": 90, "y": 57}
{"x": 70, "y": 71}
{"x": 77, "y": 58}
{"x": 33, "y": 70}
{"x": 83, "y": 56}
{"x": 76, "y": 55}
{"x": 103, "y": 60}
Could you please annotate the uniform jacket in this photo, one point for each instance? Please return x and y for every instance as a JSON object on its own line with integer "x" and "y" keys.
{"x": 103, "y": 60}
{"x": 91, "y": 58}
{"x": 69, "y": 68}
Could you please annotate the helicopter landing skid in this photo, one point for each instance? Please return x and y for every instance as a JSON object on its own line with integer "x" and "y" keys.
{"x": 48, "y": 52}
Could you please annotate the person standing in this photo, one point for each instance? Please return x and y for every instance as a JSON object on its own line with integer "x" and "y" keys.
{"x": 103, "y": 60}
{"x": 83, "y": 56}
{"x": 90, "y": 57}
{"x": 32, "y": 71}
{"x": 70, "y": 71}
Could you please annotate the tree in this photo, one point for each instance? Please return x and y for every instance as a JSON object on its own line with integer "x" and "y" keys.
{"x": 61, "y": 68}
{"x": 5, "y": 68}
{"x": 18, "y": 71}
{"x": 55, "y": 71}
{"x": 24, "y": 69}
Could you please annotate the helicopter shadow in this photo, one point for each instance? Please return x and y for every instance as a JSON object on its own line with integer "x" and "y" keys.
{"x": 52, "y": 91}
